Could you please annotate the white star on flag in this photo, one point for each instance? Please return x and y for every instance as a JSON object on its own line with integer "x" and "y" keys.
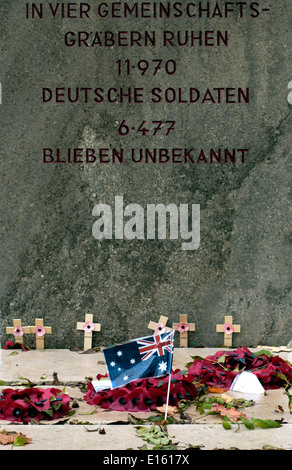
{"x": 162, "y": 366}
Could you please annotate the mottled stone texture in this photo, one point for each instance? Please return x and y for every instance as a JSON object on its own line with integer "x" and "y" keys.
{"x": 53, "y": 268}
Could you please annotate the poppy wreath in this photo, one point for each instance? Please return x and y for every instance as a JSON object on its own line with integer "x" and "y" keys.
{"x": 33, "y": 403}
{"x": 143, "y": 394}
{"x": 220, "y": 369}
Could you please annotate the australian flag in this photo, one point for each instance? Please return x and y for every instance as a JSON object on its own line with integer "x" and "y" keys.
{"x": 146, "y": 357}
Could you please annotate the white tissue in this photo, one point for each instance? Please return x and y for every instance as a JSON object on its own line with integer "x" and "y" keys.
{"x": 247, "y": 382}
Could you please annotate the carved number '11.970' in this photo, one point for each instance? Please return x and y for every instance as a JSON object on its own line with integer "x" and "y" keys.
{"x": 143, "y": 66}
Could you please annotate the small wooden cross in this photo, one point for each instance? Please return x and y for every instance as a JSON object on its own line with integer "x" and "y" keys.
{"x": 88, "y": 327}
{"x": 160, "y": 325}
{"x": 184, "y": 327}
{"x": 40, "y": 330}
{"x": 228, "y": 329}
{"x": 18, "y": 331}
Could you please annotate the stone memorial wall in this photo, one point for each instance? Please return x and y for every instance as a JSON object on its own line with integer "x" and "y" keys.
{"x": 146, "y": 168}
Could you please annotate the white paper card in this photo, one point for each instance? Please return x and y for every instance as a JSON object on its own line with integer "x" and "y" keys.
{"x": 101, "y": 384}
{"x": 247, "y": 382}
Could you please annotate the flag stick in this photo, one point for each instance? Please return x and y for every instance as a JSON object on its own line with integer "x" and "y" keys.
{"x": 169, "y": 381}
{"x": 167, "y": 397}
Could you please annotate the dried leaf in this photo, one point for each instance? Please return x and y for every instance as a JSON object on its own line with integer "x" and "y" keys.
{"x": 99, "y": 430}
{"x": 217, "y": 390}
{"x": 227, "y": 398}
{"x": 25, "y": 381}
{"x": 279, "y": 409}
{"x": 55, "y": 378}
{"x": 171, "y": 410}
{"x": 7, "y": 439}
{"x": 15, "y": 438}
{"x": 231, "y": 413}
{"x": 268, "y": 447}
{"x": 75, "y": 403}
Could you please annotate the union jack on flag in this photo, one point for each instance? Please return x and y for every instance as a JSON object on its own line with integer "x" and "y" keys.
{"x": 146, "y": 357}
{"x": 155, "y": 345}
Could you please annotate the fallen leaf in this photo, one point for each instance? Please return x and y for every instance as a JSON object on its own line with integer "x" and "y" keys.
{"x": 15, "y": 438}
{"x": 99, "y": 430}
{"x": 154, "y": 435}
{"x": 226, "y": 424}
{"x": 268, "y": 447}
{"x": 266, "y": 423}
{"x": 221, "y": 359}
{"x": 7, "y": 439}
{"x": 226, "y": 398}
{"x": 217, "y": 390}
{"x": 248, "y": 424}
{"x": 171, "y": 410}
{"x": 75, "y": 403}
{"x": 55, "y": 378}
{"x": 279, "y": 409}
{"x": 231, "y": 413}
{"x": 20, "y": 441}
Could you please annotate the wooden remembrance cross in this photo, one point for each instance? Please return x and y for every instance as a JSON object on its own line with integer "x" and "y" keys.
{"x": 88, "y": 327}
{"x": 160, "y": 324}
{"x": 40, "y": 330}
{"x": 18, "y": 331}
{"x": 228, "y": 328}
{"x": 183, "y": 328}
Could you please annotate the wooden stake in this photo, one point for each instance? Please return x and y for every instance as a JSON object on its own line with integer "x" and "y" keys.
{"x": 184, "y": 327}
{"x": 160, "y": 325}
{"x": 228, "y": 329}
{"x": 17, "y": 330}
{"x": 88, "y": 327}
{"x": 40, "y": 330}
